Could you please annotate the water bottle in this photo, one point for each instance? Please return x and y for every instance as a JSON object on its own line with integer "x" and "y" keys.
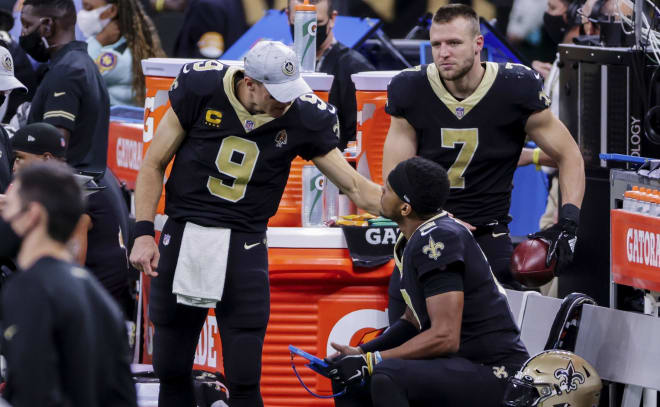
{"x": 312, "y": 189}
{"x": 304, "y": 36}
{"x": 330, "y": 201}
{"x": 628, "y": 201}
{"x": 645, "y": 201}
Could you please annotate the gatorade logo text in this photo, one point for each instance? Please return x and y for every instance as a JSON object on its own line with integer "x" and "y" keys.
{"x": 643, "y": 247}
{"x": 376, "y": 236}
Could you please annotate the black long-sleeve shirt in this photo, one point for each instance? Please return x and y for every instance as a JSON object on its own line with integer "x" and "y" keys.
{"x": 64, "y": 339}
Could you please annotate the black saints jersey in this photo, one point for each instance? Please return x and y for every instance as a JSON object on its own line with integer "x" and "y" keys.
{"x": 477, "y": 139}
{"x": 488, "y": 332}
{"x": 231, "y": 168}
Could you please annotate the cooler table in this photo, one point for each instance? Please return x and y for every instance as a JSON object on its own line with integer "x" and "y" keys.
{"x": 317, "y": 297}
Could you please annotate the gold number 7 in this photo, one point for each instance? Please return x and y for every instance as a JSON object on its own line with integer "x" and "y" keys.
{"x": 469, "y": 138}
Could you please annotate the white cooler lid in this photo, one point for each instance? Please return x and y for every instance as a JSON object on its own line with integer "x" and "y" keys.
{"x": 170, "y": 67}
{"x": 374, "y": 80}
{"x": 287, "y": 237}
{"x": 306, "y": 238}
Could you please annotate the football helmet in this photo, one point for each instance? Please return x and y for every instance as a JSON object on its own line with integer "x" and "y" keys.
{"x": 554, "y": 378}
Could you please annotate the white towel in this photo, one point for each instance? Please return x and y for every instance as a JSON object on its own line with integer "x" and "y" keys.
{"x": 199, "y": 277}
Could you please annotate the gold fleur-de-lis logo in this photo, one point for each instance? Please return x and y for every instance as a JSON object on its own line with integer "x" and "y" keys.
{"x": 433, "y": 249}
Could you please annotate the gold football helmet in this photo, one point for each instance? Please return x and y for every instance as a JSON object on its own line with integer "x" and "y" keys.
{"x": 554, "y": 378}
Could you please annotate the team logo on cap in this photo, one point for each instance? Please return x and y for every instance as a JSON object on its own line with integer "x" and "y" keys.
{"x": 460, "y": 111}
{"x": 288, "y": 68}
{"x": 280, "y": 139}
{"x": 31, "y": 139}
{"x": 7, "y": 63}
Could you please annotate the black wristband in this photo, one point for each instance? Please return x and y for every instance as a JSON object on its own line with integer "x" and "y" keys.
{"x": 570, "y": 212}
{"x": 144, "y": 228}
{"x": 397, "y": 334}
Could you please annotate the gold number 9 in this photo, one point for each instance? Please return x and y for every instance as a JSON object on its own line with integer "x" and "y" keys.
{"x": 247, "y": 152}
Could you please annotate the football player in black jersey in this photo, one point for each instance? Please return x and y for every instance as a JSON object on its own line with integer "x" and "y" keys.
{"x": 457, "y": 333}
{"x": 234, "y": 133}
{"x": 472, "y": 117}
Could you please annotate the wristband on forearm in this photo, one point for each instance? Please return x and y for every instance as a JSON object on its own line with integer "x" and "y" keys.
{"x": 535, "y": 158}
{"x": 570, "y": 212}
{"x": 397, "y": 334}
{"x": 144, "y": 228}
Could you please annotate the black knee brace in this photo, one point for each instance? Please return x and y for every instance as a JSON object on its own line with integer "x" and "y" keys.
{"x": 242, "y": 360}
{"x": 386, "y": 392}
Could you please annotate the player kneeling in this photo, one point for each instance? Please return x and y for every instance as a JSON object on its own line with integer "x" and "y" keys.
{"x": 457, "y": 333}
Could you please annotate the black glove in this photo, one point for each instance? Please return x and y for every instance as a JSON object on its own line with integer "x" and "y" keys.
{"x": 349, "y": 370}
{"x": 561, "y": 237}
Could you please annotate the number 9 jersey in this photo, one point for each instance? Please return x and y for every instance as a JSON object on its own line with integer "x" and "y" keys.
{"x": 478, "y": 140}
{"x": 232, "y": 166}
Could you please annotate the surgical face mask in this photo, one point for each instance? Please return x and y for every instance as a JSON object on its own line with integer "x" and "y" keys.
{"x": 10, "y": 242}
{"x": 555, "y": 26}
{"x": 90, "y": 22}
{"x": 35, "y": 45}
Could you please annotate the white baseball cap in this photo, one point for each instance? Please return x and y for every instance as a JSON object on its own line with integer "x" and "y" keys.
{"x": 276, "y": 66}
{"x": 7, "y": 79}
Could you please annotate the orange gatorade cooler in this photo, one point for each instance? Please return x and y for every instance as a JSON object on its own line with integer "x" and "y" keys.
{"x": 160, "y": 73}
{"x": 372, "y": 121}
{"x": 125, "y": 151}
{"x": 317, "y": 296}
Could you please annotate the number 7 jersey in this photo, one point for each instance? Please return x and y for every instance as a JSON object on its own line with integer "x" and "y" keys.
{"x": 478, "y": 140}
{"x": 231, "y": 168}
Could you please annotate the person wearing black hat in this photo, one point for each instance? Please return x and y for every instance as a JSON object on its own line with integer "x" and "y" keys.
{"x": 98, "y": 242}
{"x": 37, "y": 141}
{"x": 457, "y": 332}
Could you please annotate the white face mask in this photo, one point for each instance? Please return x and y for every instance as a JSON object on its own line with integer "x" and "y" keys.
{"x": 89, "y": 21}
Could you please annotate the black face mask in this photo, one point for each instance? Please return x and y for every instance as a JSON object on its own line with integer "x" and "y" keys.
{"x": 2, "y": 98}
{"x": 11, "y": 242}
{"x": 34, "y": 44}
{"x": 321, "y": 33}
{"x": 555, "y": 26}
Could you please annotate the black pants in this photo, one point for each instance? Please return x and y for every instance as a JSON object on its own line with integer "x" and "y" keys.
{"x": 242, "y": 316}
{"x": 447, "y": 381}
{"x": 496, "y": 245}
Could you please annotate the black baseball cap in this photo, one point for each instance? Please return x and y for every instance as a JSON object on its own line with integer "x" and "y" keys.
{"x": 40, "y": 138}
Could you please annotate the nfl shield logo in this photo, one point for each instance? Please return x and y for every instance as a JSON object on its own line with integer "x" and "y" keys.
{"x": 166, "y": 240}
{"x": 249, "y": 125}
{"x": 460, "y": 111}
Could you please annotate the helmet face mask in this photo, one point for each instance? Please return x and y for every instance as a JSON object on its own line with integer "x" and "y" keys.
{"x": 523, "y": 392}
{"x": 554, "y": 378}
